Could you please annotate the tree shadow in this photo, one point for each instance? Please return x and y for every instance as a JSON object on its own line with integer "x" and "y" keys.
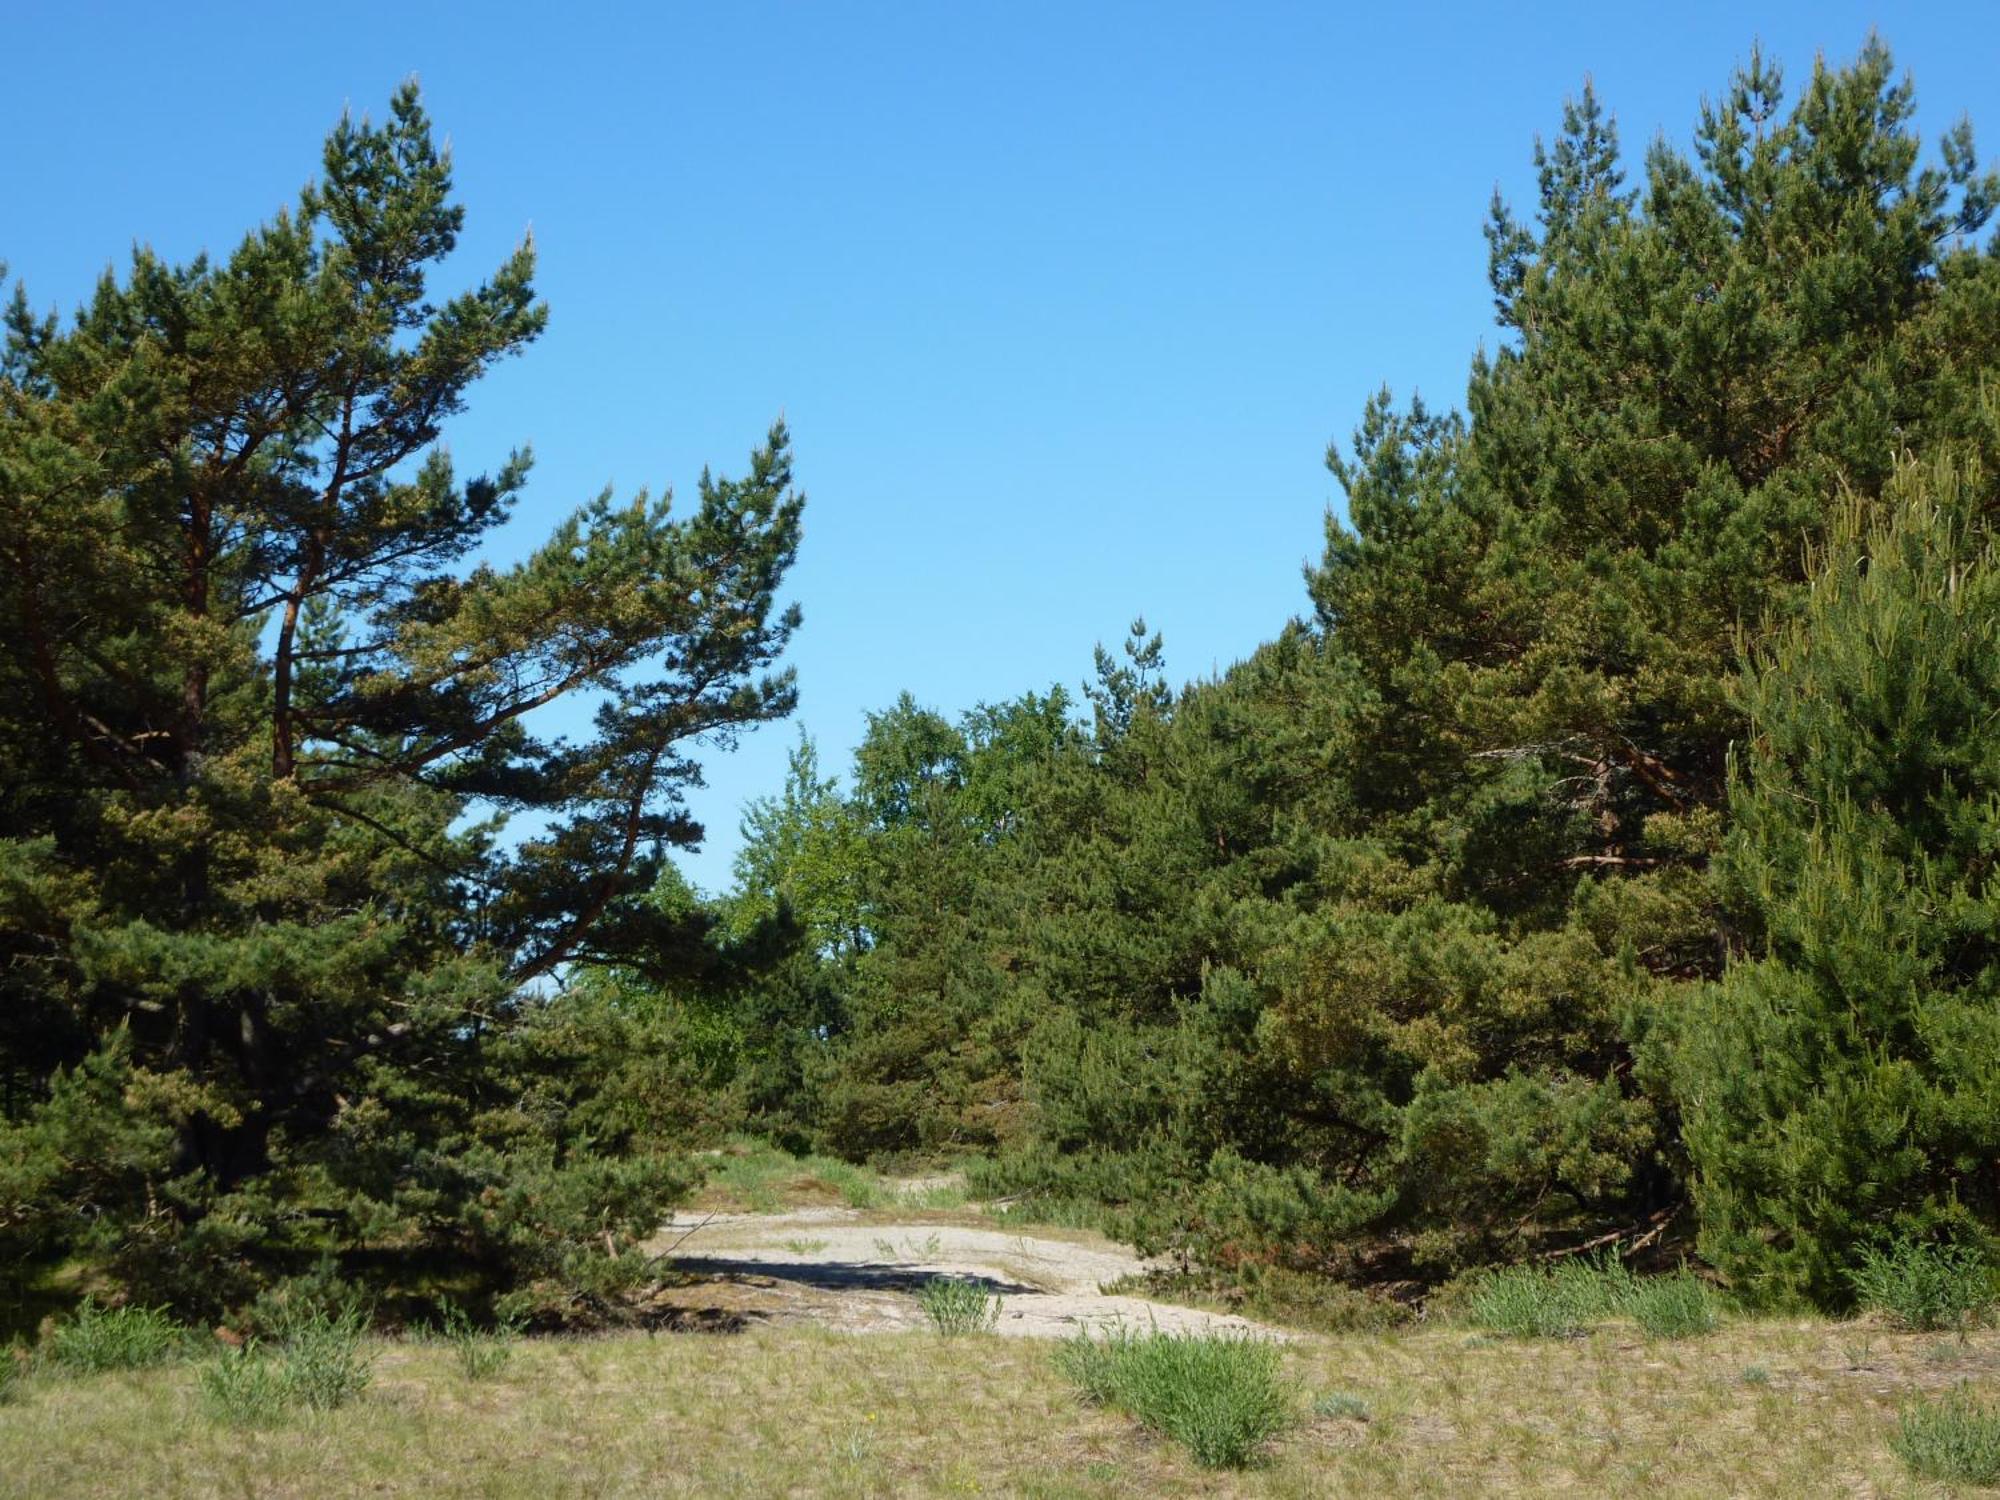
{"x": 844, "y": 1276}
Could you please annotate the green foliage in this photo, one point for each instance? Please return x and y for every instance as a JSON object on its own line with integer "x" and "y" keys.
{"x": 1563, "y": 863}
{"x": 314, "y": 1360}
{"x": 1221, "y": 1397}
{"x": 1954, "y": 1439}
{"x": 321, "y": 1364}
{"x": 274, "y": 987}
{"x": 1839, "y": 1086}
{"x": 763, "y": 1179}
{"x": 1676, "y": 1306}
{"x": 1564, "y": 1299}
{"x": 1927, "y": 1288}
{"x": 957, "y": 1306}
{"x": 1548, "y": 1301}
{"x": 98, "y": 1338}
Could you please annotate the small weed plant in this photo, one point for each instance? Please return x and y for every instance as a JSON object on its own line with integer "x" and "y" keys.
{"x": 481, "y": 1352}
{"x": 115, "y": 1338}
{"x": 1219, "y": 1396}
{"x": 1954, "y": 1439}
{"x": 1927, "y": 1288}
{"x": 956, "y": 1306}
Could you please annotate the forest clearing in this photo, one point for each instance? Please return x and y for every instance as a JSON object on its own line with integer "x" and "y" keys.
{"x": 1525, "y": 1020}
{"x": 850, "y": 1390}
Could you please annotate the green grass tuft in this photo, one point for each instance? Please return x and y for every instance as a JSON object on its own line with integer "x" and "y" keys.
{"x": 957, "y": 1306}
{"x": 1679, "y": 1306}
{"x": 115, "y": 1338}
{"x": 1927, "y": 1288}
{"x": 1563, "y": 1300}
{"x": 1344, "y": 1405}
{"x": 1219, "y": 1396}
{"x": 321, "y": 1359}
{"x": 1547, "y": 1301}
{"x": 316, "y": 1363}
{"x": 244, "y": 1388}
{"x": 481, "y": 1352}
{"x": 1954, "y": 1439}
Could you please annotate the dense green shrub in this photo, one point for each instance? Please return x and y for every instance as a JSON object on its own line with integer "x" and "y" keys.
{"x": 1837, "y": 1085}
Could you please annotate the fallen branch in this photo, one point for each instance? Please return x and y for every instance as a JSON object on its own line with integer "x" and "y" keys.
{"x": 1658, "y": 1223}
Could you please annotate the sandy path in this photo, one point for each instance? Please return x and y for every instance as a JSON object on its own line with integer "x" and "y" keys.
{"x": 844, "y": 1269}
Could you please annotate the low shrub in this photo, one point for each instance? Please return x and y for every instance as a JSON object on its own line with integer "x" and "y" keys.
{"x": 956, "y": 1306}
{"x": 115, "y": 1338}
{"x": 1954, "y": 1439}
{"x": 1219, "y": 1396}
{"x": 1925, "y": 1287}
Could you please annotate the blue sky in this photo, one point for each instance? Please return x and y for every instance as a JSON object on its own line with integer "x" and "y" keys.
{"x": 1063, "y": 302}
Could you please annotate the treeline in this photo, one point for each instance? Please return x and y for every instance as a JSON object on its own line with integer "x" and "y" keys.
{"x": 1604, "y": 859}
{"x": 1607, "y": 857}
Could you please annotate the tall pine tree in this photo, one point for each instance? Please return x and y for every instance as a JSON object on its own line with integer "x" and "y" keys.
{"x": 258, "y": 702}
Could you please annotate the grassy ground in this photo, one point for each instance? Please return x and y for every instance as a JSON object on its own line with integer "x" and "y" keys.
{"x": 1782, "y": 1410}
{"x": 750, "y": 1176}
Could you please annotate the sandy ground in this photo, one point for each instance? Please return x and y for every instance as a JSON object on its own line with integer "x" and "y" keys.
{"x": 860, "y": 1272}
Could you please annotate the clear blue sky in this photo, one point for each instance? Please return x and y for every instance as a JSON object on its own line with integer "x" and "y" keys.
{"x": 1063, "y": 302}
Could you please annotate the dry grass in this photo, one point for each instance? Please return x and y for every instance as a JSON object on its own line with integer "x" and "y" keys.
{"x": 801, "y": 1412}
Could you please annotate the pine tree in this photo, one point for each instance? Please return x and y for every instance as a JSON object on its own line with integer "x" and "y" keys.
{"x": 1841, "y": 1086}
{"x": 261, "y": 702}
